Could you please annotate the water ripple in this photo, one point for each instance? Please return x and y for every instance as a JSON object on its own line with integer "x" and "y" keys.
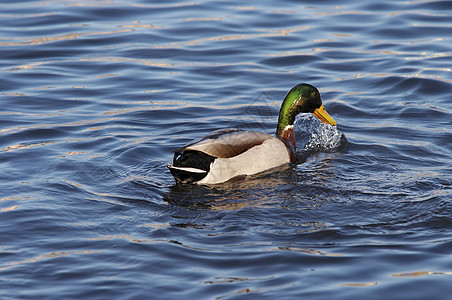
{"x": 96, "y": 94}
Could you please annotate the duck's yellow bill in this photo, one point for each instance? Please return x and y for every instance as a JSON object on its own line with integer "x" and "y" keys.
{"x": 324, "y": 116}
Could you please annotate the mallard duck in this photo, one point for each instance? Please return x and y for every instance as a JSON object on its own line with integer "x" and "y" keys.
{"x": 229, "y": 153}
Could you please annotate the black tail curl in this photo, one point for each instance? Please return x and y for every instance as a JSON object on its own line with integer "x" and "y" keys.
{"x": 190, "y": 159}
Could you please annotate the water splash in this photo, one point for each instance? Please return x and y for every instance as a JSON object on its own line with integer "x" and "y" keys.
{"x": 317, "y": 136}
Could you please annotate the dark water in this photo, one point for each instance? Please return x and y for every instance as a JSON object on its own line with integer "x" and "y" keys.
{"x": 95, "y": 94}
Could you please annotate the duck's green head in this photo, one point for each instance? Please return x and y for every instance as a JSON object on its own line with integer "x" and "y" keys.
{"x": 302, "y": 98}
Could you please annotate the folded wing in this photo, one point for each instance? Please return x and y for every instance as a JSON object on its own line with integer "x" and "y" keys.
{"x": 227, "y": 143}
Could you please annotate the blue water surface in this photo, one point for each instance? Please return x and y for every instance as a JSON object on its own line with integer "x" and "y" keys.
{"x": 95, "y": 95}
